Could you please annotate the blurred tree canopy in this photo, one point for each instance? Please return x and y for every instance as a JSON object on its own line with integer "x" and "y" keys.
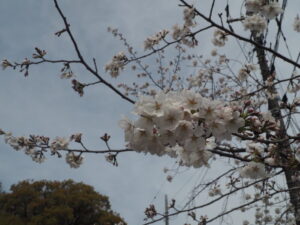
{"x": 55, "y": 203}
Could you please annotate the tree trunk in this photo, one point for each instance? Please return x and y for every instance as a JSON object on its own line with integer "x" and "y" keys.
{"x": 284, "y": 147}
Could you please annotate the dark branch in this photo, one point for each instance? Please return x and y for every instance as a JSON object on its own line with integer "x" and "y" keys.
{"x": 82, "y": 60}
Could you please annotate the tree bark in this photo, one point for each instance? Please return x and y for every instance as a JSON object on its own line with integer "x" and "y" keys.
{"x": 284, "y": 147}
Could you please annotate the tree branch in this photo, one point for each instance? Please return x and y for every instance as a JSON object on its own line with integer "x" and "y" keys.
{"x": 82, "y": 60}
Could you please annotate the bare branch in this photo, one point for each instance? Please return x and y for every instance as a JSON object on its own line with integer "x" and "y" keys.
{"x": 82, "y": 60}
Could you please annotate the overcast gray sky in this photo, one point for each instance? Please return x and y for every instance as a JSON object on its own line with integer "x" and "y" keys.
{"x": 44, "y": 104}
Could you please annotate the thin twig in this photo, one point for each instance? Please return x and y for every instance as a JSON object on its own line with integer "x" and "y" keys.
{"x": 284, "y": 58}
{"x": 68, "y": 30}
{"x": 211, "y": 8}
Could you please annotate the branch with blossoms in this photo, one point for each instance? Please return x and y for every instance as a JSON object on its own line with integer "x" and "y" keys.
{"x": 180, "y": 35}
{"x": 66, "y": 71}
{"x": 37, "y": 146}
{"x": 217, "y": 111}
{"x": 254, "y": 43}
{"x": 213, "y": 191}
{"x": 267, "y": 219}
{"x": 155, "y": 40}
{"x": 260, "y": 195}
{"x": 40, "y": 54}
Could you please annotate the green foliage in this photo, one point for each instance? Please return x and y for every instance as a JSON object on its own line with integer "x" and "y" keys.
{"x": 1, "y": 188}
{"x": 55, "y": 203}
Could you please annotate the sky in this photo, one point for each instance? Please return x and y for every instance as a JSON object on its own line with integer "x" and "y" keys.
{"x": 44, "y": 104}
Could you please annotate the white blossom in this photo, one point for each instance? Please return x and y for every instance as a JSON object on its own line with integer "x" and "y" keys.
{"x": 76, "y": 137}
{"x": 195, "y": 159}
{"x": 214, "y": 191}
{"x": 188, "y": 16}
{"x": 194, "y": 143}
{"x": 144, "y": 122}
{"x": 155, "y": 39}
{"x": 253, "y": 6}
{"x": 254, "y": 148}
{"x": 267, "y": 116}
{"x": 183, "y": 130}
{"x": 16, "y": 143}
{"x": 218, "y": 129}
{"x": 170, "y": 118}
{"x": 180, "y": 32}
{"x": 271, "y": 10}
{"x": 210, "y": 143}
{"x": 66, "y": 75}
{"x": 245, "y": 71}
{"x": 73, "y": 160}
{"x": 179, "y": 123}
{"x": 236, "y": 122}
{"x": 220, "y": 38}
{"x": 208, "y": 110}
{"x": 37, "y": 157}
{"x": 255, "y": 23}
{"x": 128, "y": 127}
{"x": 5, "y": 63}
{"x": 154, "y": 146}
{"x": 59, "y": 143}
{"x": 253, "y": 170}
{"x": 149, "y": 106}
{"x": 170, "y": 151}
{"x": 116, "y": 64}
{"x": 190, "y": 99}
{"x": 139, "y": 139}
{"x": 167, "y": 137}
{"x": 270, "y": 161}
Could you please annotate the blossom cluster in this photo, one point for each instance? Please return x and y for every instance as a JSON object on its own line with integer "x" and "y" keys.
{"x": 28, "y": 144}
{"x": 220, "y": 38}
{"x": 116, "y": 64}
{"x": 269, "y": 212}
{"x": 155, "y": 39}
{"x": 5, "y": 63}
{"x": 36, "y": 146}
{"x": 259, "y": 12}
{"x": 245, "y": 71}
{"x": 74, "y": 160}
{"x": 253, "y": 170}
{"x": 78, "y": 87}
{"x": 182, "y": 124}
{"x": 183, "y": 32}
{"x": 215, "y": 191}
{"x": 59, "y": 143}
{"x": 188, "y": 17}
{"x": 255, "y": 23}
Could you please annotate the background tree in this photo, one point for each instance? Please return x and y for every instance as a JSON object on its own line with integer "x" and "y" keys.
{"x": 53, "y": 202}
{"x": 202, "y": 109}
